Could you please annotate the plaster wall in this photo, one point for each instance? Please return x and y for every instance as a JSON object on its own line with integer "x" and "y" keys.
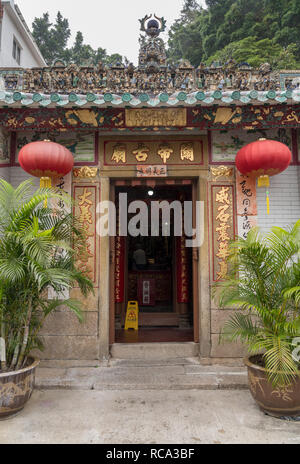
{"x": 284, "y": 200}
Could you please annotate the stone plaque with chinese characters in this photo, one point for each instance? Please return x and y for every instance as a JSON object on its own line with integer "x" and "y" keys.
{"x": 152, "y": 171}
{"x": 223, "y": 227}
{"x": 158, "y": 152}
{"x": 169, "y": 117}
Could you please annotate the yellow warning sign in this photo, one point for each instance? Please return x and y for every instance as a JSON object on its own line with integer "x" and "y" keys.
{"x": 132, "y": 316}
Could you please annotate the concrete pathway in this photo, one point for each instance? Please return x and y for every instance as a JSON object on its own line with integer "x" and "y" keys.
{"x": 148, "y": 417}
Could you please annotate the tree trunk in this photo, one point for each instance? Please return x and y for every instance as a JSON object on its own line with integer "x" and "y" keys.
{"x": 25, "y": 337}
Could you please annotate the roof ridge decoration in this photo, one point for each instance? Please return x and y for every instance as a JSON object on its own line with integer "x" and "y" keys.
{"x": 72, "y": 79}
{"x": 200, "y": 98}
{"x": 152, "y": 82}
{"x": 153, "y": 55}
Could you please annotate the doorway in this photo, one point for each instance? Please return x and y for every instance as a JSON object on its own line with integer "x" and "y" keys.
{"x": 155, "y": 269}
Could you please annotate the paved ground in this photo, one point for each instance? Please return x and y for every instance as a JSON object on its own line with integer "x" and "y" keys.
{"x": 162, "y": 417}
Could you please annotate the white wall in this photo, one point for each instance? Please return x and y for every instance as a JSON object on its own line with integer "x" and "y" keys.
{"x": 284, "y": 200}
{"x": 5, "y": 174}
{"x": 17, "y": 175}
{"x": 12, "y": 27}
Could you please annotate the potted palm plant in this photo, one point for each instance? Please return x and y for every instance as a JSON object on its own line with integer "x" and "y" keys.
{"x": 264, "y": 284}
{"x": 38, "y": 246}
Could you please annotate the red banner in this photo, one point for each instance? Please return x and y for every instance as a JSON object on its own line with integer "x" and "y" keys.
{"x": 182, "y": 271}
{"x": 119, "y": 272}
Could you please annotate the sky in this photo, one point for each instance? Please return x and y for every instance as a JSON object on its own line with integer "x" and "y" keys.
{"x": 110, "y": 24}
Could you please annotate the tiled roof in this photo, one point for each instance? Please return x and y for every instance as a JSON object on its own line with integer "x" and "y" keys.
{"x": 147, "y": 100}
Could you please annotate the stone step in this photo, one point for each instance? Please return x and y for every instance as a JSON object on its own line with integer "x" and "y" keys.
{"x": 114, "y": 362}
{"x": 144, "y": 377}
{"x": 154, "y": 351}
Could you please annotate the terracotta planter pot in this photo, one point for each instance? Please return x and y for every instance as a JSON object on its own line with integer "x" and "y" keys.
{"x": 280, "y": 402}
{"x": 16, "y": 389}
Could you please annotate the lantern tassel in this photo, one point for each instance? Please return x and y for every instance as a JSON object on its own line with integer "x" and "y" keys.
{"x": 268, "y": 202}
{"x": 263, "y": 181}
{"x": 45, "y": 182}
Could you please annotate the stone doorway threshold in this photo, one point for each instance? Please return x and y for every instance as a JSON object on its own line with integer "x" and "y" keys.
{"x": 159, "y": 350}
{"x": 155, "y": 335}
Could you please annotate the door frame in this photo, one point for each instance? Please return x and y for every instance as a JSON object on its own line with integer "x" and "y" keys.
{"x": 195, "y": 256}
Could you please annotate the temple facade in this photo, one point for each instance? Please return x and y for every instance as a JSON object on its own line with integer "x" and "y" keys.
{"x": 155, "y": 132}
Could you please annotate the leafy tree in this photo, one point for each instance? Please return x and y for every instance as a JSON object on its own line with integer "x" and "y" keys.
{"x": 255, "y": 52}
{"x": 185, "y": 33}
{"x": 186, "y": 44}
{"x": 189, "y": 10}
{"x": 219, "y": 28}
{"x": 100, "y": 55}
{"x": 51, "y": 38}
{"x": 81, "y": 53}
{"x": 41, "y": 33}
{"x": 60, "y": 35}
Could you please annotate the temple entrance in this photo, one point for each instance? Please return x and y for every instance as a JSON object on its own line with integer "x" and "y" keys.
{"x": 154, "y": 267}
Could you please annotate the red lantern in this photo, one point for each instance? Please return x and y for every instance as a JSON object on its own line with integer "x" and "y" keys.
{"x": 262, "y": 159}
{"x": 46, "y": 160}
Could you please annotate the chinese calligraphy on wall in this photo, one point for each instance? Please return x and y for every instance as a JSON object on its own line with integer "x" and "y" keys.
{"x": 167, "y": 152}
{"x": 223, "y": 228}
{"x": 246, "y": 204}
{"x": 85, "y": 210}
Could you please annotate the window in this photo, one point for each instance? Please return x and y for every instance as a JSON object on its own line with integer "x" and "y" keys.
{"x": 16, "y": 51}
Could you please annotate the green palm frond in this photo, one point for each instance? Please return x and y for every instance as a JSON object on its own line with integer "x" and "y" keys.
{"x": 37, "y": 250}
{"x": 293, "y": 293}
{"x": 74, "y": 305}
{"x": 281, "y": 367}
{"x": 11, "y": 270}
{"x": 264, "y": 281}
{"x": 240, "y": 327}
